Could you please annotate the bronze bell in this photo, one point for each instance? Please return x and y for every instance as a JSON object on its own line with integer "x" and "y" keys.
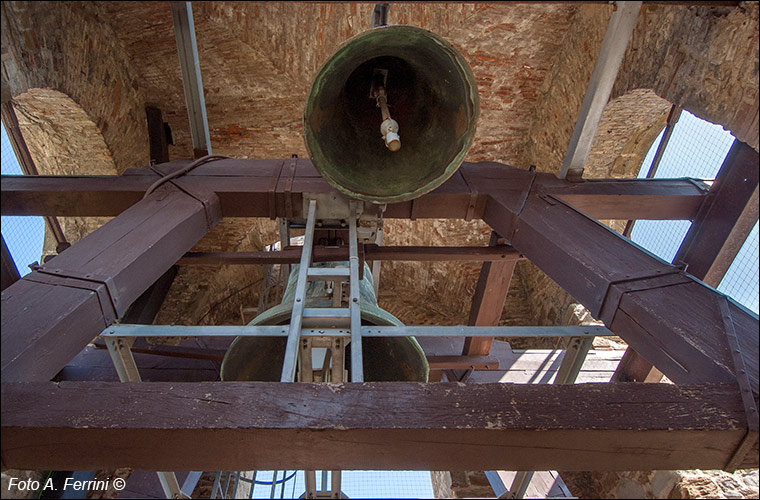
{"x": 385, "y": 359}
{"x": 391, "y": 115}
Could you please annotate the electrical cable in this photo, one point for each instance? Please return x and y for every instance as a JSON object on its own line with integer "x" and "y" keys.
{"x": 277, "y": 481}
{"x": 182, "y": 171}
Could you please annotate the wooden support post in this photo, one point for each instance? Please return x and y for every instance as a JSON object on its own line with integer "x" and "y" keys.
{"x": 52, "y": 313}
{"x": 8, "y": 271}
{"x": 726, "y": 217}
{"x": 159, "y": 141}
{"x": 387, "y": 425}
{"x": 678, "y": 322}
{"x": 145, "y": 309}
{"x": 723, "y": 222}
{"x": 488, "y": 302}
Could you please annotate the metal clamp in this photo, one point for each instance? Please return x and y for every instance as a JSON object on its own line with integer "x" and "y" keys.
{"x": 211, "y": 205}
{"x": 745, "y": 389}
{"x": 110, "y": 305}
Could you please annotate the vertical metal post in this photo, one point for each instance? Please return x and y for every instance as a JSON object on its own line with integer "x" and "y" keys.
{"x": 357, "y": 363}
{"x": 170, "y": 485}
{"x": 611, "y": 54}
{"x": 575, "y": 355}
{"x": 376, "y": 264}
{"x": 519, "y": 485}
{"x": 335, "y": 477}
{"x": 124, "y": 362}
{"x": 310, "y": 478}
{"x": 296, "y": 317}
{"x": 187, "y": 49}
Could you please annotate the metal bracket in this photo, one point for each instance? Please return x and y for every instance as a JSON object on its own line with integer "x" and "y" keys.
{"x": 110, "y": 305}
{"x": 287, "y": 191}
{"x": 271, "y": 192}
{"x": 742, "y": 378}
{"x": 636, "y": 283}
{"x": 211, "y": 205}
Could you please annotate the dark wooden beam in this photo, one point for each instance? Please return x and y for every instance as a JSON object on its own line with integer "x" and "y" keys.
{"x": 727, "y": 215}
{"x": 292, "y": 255}
{"x": 488, "y": 301}
{"x": 245, "y": 189}
{"x": 159, "y": 142}
{"x": 259, "y": 425}
{"x": 8, "y": 271}
{"x": 725, "y": 218}
{"x": 53, "y": 312}
{"x": 668, "y": 317}
{"x": 144, "y": 310}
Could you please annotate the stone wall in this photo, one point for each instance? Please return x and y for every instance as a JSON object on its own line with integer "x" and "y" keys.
{"x": 702, "y": 58}
{"x": 63, "y": 140}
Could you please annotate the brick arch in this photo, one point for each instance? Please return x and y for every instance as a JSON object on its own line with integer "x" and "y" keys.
{"x": 629, "y": 125}
{"x": 63, "y": 140}
{"x": 61, "y": 137}
{"x": 68, "y": 47}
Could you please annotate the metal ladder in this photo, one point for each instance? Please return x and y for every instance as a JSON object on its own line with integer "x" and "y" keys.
{"x": 299, "y": 348}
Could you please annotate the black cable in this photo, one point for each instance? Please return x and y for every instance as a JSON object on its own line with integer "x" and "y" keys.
{"x": 182, "y": 171}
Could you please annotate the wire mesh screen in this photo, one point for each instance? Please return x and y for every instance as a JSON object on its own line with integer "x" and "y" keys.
{"x": 697, "y": 149}
{"x": 23, "y": 235}
{"x": 354, "y": 484}
{"x": 741, "y": 280}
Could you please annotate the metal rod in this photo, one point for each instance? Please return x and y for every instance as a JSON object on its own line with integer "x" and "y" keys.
{"x": 169, "y": 484}
{"x": 357, "y": 363}
{"x": 294, "y": 331}
{"x": 619, "y": 31}
{"x": 187, "y": 49}
{"x": 217, "y": 480}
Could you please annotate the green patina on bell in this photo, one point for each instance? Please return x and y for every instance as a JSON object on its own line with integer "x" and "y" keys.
{"x": 385, "y": 359}
{"x": 431, "y": 93}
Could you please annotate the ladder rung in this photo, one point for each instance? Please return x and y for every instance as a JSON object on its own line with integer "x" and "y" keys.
{"x": 326, "y": 312}
{"x": 328, "y": 273}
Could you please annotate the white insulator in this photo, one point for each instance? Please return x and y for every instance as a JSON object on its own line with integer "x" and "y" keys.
{"x": 389, "y": 129}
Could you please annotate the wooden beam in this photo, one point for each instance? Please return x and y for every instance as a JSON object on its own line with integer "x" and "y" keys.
{"x": 390, "y": 425}
{"x": 8, "y": 271}
{"x": 664, "y": 314}
{"x": 723, "y": 222}
{"x": 245, "y": 189}
{"x": 726, "y": 217}
{"x": 488, "y": 302}
{"x": 159, "y": 142}
{"x": 144, "y": 310}
{"x": 52, "y": 313}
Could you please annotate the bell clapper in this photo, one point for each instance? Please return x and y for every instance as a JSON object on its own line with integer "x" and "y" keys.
{"x": 389, "y": 127}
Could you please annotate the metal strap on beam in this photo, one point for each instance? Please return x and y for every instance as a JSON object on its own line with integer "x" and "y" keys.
{"x": 127, "y": 330}
{"x": 187, "y": 50}
{"x": 605, "y": 72}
